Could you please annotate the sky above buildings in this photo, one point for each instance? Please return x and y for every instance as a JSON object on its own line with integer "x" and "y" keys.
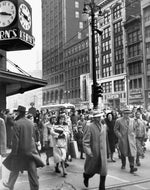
{"x": 30, "y": 60}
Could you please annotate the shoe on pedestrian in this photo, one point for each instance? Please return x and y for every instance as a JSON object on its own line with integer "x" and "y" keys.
{"x": 138, "y": 164}
{"x": 64, "y": 174}
{"x": 113, "y": 160}
{"x": 132, "y": 170}
{"x": 86, "y": 180}
{"x": 122, "y": 167}
{"x": 66, "y": 164}
{"x": 57, "y": 170}
{"x": 47, "y": 163}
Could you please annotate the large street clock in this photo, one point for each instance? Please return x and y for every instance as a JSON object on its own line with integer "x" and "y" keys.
{"x": 25, "y": 16}
{"x": 15, "y": 25}
{"x": 7, "y": 13}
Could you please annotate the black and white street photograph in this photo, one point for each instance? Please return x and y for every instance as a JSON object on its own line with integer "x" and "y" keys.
{"x": 74, "y": 94}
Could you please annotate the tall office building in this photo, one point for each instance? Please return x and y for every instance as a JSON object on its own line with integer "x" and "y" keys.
{"x": 121, "y": 53}
{"x": 62, "y": 27}
{"x": 145, "y": 8}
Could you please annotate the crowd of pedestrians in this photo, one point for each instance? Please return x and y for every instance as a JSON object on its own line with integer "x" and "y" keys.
{"x": 98, "y": 136}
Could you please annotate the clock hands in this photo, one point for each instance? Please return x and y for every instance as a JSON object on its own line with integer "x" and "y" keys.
{"x": 25, "y": 16}
{"x": 5, "y": 14}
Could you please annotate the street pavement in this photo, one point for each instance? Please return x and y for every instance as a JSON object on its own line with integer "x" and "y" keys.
{"x": 49, "y": 180}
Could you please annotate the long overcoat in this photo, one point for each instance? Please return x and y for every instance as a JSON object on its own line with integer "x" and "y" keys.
{"x": 94, "y": 143}
{"x": 126, "y": 136}
{"x": 23, "y": 147}
{"x": 2, "y": 137}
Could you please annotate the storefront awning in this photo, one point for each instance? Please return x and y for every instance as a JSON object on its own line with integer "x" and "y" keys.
{"x": 16, "y": 83}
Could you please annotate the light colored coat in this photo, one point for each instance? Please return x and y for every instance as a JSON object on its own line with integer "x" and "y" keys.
{"x": 126, "y": 136}
{"x": 59, "y": 145}
{"x": 94, "y": 143}
{"x": 47, "y": 137}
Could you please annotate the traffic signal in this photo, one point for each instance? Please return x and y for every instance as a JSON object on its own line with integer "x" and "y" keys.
{"x": 94, "y": 97}
{"x": 99, "y": 90}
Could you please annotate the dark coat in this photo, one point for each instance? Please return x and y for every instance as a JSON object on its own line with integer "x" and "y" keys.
{"x": 112, "y": 139}
{"x": 79, "y": 139}
{"x": 23, "y": 147}
{"x": 94, "y": 143}
{"x": 2, "y": 137}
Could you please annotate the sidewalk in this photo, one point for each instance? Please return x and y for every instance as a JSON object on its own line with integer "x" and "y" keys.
{"x": 49, "y": 180}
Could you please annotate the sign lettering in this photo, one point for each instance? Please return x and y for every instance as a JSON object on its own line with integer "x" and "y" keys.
{"x": 26, "y": 37}
{"x": 22, "y": 39}
{"x": 8, "y": 34}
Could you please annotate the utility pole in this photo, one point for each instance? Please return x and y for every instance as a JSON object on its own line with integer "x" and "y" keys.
{"x": 93, "y": 8}
{"x": 94, "y": 98}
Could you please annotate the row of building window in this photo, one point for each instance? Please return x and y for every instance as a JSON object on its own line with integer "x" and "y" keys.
{"x": 119, "y": 68}
{"x": 116, "y": 12}
{"x": 77, "y": 71}
{"x": 135, "y": 68}
{"x": 107, "y": 71}
{"x": 56, "y": 96}
{"x": 107, "y": 59}
{"x": 147, "y": 32}
{"x": 119, "y": 85}
{"x": 148, "y": 48}
{"x": 73, "y": 83}
{"x": 134, "y": 50}
{"x": 117, "y": 29}
{"x": 148, "y": 64}
{"x": 84, "y": 58}
{"x": 135, "y": 83}
{"x": 118, "y": 41}
{"x": 134, "y": 36}
{"x": 77, "y": 48}
{"x": 147, "y": 14}
{"x": 57, "y": 79}
{"x": 148, "y": 82}
{"x": 119, "y": 54}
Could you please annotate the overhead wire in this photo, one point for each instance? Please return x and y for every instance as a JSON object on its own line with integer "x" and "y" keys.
{"x": 16, "y": 66}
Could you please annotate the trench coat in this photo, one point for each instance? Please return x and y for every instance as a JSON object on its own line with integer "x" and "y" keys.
{"x": 126, "y": 136}
{"x": 23, "y": 147}
{"x": 3, "y": 137}
{"x": 94, "y": 143}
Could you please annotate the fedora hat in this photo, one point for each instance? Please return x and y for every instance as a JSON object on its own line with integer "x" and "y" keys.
{"x": 126, "y": 110}
{"x": 21, "y": 109}
{"x": 96, "y": 113}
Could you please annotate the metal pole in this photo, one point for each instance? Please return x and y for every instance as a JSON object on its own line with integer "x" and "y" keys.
{"x": 95, "y": 98}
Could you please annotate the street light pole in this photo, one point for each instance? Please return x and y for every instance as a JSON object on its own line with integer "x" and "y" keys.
{"x": 94, "y": 98}
{"x": 93, "y": 8}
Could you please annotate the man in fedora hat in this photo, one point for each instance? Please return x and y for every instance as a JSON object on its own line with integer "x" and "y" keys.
{"x": 24, "y": 155}
{"x": 125, "y": 131}
{"x": 32, "y": 110}
{"x": 94, "y": 144}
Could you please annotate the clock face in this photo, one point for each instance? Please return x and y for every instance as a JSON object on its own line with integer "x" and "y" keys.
{"x": 7, "y": 13}
{"x": 25, "y": 17}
